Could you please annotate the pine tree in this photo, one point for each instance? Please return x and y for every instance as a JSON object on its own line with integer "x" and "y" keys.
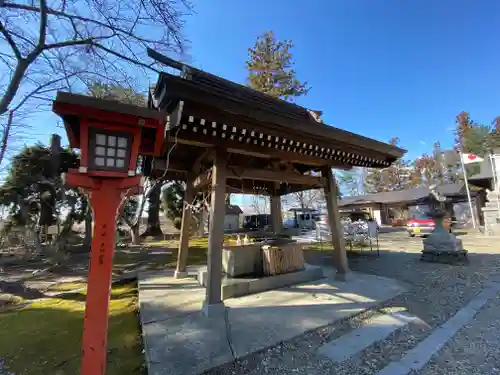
{"x": 270, "y": 67}
{"x": 270, "y": 71}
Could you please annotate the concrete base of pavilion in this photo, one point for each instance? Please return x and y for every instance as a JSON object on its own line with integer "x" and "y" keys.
{"x": 242, "y": 286}
{"x": 179, "y": 339}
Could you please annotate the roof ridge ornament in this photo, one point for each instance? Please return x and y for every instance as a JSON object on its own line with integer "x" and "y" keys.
{"x": 316, "y": 115}
{"x": 187, "y": 72}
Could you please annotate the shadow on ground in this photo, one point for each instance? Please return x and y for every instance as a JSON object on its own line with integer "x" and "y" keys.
{"x": 29, "y": 279}
{"x": 179, "y": 340}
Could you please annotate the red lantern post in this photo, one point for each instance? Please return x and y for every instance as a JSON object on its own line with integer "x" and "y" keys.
{"x": 110, "y": 136}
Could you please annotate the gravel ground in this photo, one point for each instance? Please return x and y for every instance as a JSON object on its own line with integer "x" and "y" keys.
{"x": 437, "y": 292}
{"x": 474, "y": 350}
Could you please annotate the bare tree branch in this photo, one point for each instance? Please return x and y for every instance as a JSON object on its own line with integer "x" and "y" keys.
{"x": 40, "y": 89}
{"x": 19, "y": 36}
{"x": 90, "y": 32}
{"x": 80, "y": 18}
{"x": 14, "y": 84}
{"x": 78, "y": 42}
{"x": 11, "y": 42}
{"x": 68, "y": 43}
{"x": 43, "y": 27}
{"x": 126, "y": 58}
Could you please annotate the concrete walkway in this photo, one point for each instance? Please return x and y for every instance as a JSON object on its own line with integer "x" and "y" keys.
{"x": 179, "y": 340}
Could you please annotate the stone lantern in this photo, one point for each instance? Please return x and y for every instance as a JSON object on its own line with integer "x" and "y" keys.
{"x": 441, "y": 245}
{"x": 110, "y": 136}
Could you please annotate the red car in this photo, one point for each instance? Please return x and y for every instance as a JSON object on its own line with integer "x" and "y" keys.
{"x": 420, "y": 225}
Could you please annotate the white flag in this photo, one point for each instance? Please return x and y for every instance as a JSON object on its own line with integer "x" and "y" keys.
{"x": 471, "y": 158}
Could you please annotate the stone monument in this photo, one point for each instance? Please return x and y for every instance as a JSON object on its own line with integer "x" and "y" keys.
{"x": 491, "y": 213}
{"x": 441, "y": 246}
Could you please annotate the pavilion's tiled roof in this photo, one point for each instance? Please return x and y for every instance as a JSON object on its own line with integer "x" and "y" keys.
{"x": 406, "y": 195}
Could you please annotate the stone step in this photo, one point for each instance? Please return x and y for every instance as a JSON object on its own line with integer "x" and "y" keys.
{"x": 237, "y": 287}
{"x": 373, "y": 330}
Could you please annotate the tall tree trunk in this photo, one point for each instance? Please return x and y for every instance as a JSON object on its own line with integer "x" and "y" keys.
{"x": 134, "y": 234}
{"x": 153, "y": 226}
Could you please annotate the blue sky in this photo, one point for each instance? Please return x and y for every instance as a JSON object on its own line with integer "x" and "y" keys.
{"x": 380, "y": 68}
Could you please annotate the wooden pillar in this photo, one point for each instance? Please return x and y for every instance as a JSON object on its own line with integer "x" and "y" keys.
{"x": 276, "y": 219}
{"x": 213, "y": 300}
{"x": 338, "y": 241}
{"x": 187, "y": 212}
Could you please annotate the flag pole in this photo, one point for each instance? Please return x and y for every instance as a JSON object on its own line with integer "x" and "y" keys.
{"x": 495, "y": 180}
{"x": 467, "y": 189}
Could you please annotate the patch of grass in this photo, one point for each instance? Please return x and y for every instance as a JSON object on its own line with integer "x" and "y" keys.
{"x": 45, "y": 337}
{"x": 152, "y": 258}
{"x": 199, "y": 242}
{"x": 193, "y": 242}
{"x": 161, "y": 243}
{"x": 66, "y": 287}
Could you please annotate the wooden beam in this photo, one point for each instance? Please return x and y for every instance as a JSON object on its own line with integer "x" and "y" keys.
{"x": 236, "y": 190}
{"x": 274, "y": 176}
{"x": 195, "y": 139}
{"x": 238, "y": 173}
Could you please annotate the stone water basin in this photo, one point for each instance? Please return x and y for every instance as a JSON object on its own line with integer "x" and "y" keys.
{"x": 246, "y": 260}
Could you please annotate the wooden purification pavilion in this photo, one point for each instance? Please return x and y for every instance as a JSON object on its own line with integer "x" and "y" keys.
{"x": 223, "y": 137}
